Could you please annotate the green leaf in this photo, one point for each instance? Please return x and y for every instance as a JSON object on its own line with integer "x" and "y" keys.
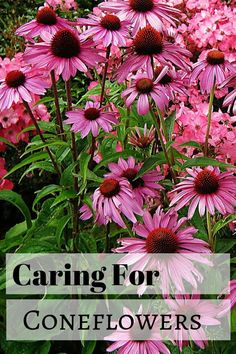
{"x": 40, "y": 145}
{"x": 233, "y": 320}
{"x": 43, "y": 100}
{"x": 83, "y": 164}
{"x": 121, "y": 132}
{"x": 205, "y": 161}
{"x": 35, "y": 157}
{"x": 46, "y": 166}
{"x": 38, "y": 247}
{"x": 198, "y": 223}
{"x": 44, "y": 349}
{"x": 223, "y": 222}
{"x": 151, "y": 163}
{"x": 46, "y": 126}
{"x": 5, "y": 141}
{"x": 51, "y": 188}
{"x": 91, "y": 176}
{"x": 16, "y": 230}
{"x": 62, "y": 153}
{"x": 67, "y": 176}
{"x": 60, "y": 228}
{"x": 93, "y": 92}
{"x": 9, "y": 244}
{"x": 65, "y": 195}
{"x": 180, "y": 156}
{"x": 169, "y": 145}
{"x": 89, "y": 347}
{"x": 86, "y": 243}
{"x": 87, "y": 200}
{"x": 224, "y": 245}
{"x": 16, "y": 199}
{"x": 170, "y": 122}
{"x": 192, "y": 143}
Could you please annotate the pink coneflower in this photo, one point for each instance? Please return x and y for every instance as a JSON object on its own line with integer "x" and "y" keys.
{"x": 148, "y": 44}
{"x": 143, "y": 187}
{"x": 21, "y": 85}
{"x": 207, "y": 188}
{"x": 228, "y": 301}
{"x": 90, "y": 119}
{"x": 85, "y": 212}
{"x": 230, "y": 99}
{"x": 232, "y": 295}
{"x": 163, "y": 233}
{"x": 144, "y": 88}
{"x": 143, "y": 12}
{"x": 170, "y": 82}
{"x": 46, "y": 20}
{"x": 112, "y": 198}
{"x": 142, "y": 139}
{"x": 213, "y": 69}
{"x": 126, "y": 342}
{"x": 191, "y": 305}
{"x": 108, "y": 29}
{"x": 63, "y": 52}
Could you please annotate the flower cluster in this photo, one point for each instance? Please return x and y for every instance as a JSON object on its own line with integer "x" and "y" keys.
{"x": 4, "y": 183}
{"x": 64, "y": 5}
{"x": 13, "y": 116}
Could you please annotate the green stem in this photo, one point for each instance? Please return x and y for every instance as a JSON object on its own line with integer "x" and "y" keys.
{"x": 60, "y": 128}
{"x": 128, "y": 228}
{"x": 105, "y": 74}
{"x": 163, "y": 126}
{"x": 209, "y": 230}
{"x": 209, "y": 119}
{"x": 29, "y": 111}
{"x": 107, "y": 242}
{"x": 75, "y": 201}
{"x": 163, "y": 147}
{"x": 92, "y": 153}
{"x": 191, "y": 346}
{"x": 127, "y": 126}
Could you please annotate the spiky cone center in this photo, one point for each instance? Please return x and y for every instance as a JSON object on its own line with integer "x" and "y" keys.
{"x": 110, "y": 187}
{"x": 144, "y": 85}
{"x": 206, "y": 182}
{"x": 65, "y": 44}
{"x": 141, "y": 5}
{"x": 111, "y": 22}
{"x": 142, "y": 142}
{"x": 92, "y": 114}
{"x": 46, "y": 16}
{"x": 15, "y": 78}
{"x": 131, "y": 174}
{"x": 148, "y": 41}
{"x": 215, "y": 57}
{"x": 161, "y": 240}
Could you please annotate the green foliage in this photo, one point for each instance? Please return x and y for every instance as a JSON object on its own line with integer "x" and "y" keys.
{"x": 223, "y": 222}
{"x": 89, "y": 347}
{"x": 151, "y": 163}
{"x": 205, "y": 161}
{"x": 16, "y": 199}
